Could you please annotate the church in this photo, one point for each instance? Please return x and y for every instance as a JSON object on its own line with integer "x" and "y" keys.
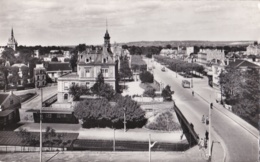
{"x": 12, "y": 43}
{"x": 90, "y": 64}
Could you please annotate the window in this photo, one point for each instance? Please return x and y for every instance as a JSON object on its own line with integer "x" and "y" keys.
{"x": 65, "y": 96}
{"x": 87, "y": 72}
{"x": 81, "y": 56}
{"x": 48, "y": 115}
{"x": 52, "y": 74}
{"x": 11, "y": 101}
{"x": 58, "y": 116}
{"x": 73, "y": 83}
{"x": 66, "y": 86}
{"x": 87, "y": 84}
{"x": 87, "y": 60}
{"x": 104, "y": 72}
{"x": 38, "y": 78}
{"x": 104, "y": 60}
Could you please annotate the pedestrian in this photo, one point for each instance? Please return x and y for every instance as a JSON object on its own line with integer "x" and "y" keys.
{"x": 192, "y": 93}
{"x": 207, "y": 120}
{"x": 205, "y": 143}
{"x": 207, "y": 135}
{"x": 203, "y": 119}
{"x": 191, "y": 125}
{"x": 211, "y": 105}
{"x": 201, "y": 143}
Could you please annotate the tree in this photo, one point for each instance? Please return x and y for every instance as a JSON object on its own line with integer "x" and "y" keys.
{"x": 25, "y": 76}
{"x": 146, "y": 77}
{"x": 54, "y": 59}
{"x": 76, "y": 91}
{"x": 28, "y": 138}
{"x": 14, "y": 78}
{"x": 49, "y": 135}
{"x": 4, "y": 71}
{"x": 168, "y": 46}
{"x": 101, "y": 113}
{"x": 167, "y": 93}
{"x": 103, "y": 89}
{"x": 150, "y": 92}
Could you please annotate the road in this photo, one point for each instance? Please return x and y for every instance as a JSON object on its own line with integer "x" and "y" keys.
{"x": 36, "y": 102}
{"x": 239, "y": 144}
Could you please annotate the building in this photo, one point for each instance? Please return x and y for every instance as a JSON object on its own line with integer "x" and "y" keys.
{"x": 40, "y": 75}
{"x": 169, "y": 53}
{"x": 205, "y": 56}
{"x": 90, "y": 64}
{"x": 56, "y": 69}
{"x": 9, "y": 109}
{"x": 21, "y": 73}
{"x": 12, "y": 43}
{"x": 189, "y": 50}
{"x": 253, "y": 50}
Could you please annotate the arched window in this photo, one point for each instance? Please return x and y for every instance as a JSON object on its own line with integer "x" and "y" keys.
{"x": 65, "y": 96}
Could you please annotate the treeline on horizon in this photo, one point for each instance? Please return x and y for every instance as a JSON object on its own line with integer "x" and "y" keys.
{"x": 135, "y": 49}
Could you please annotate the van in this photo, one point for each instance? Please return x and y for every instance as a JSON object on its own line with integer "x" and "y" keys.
{"x": 185, "y": 84}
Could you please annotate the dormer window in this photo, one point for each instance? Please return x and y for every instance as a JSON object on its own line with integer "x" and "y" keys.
{"x": 87, "y": 60}
{"x": 81, "y": 56}
{"x": 104, "y": 60}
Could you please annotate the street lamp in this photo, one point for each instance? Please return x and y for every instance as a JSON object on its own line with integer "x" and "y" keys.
{"x": 41, "y": 128}
{"x": 191, "y": 72}
{"x": 150, "y": 146}
{"x": 176, "y": 70}
{"x": 124, "y": 120}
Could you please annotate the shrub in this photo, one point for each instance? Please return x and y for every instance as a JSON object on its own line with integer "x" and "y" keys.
{"x": 149, "y": 93}
{"x": 146, "y": 77}
{"x": 164, "y": 122}
{"x": 167, "y": 93}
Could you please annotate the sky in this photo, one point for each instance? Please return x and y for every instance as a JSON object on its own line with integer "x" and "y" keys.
{"x": 71, "y": 22}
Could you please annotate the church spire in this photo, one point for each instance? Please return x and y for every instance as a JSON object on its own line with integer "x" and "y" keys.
{"x": 12, "y": 33}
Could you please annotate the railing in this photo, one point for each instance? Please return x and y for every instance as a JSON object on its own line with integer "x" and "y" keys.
{"x": 50, "y": 101}
{"x": 188, "y": 130}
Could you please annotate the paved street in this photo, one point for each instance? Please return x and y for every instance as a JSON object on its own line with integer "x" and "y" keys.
{"x": 238, "y": 144}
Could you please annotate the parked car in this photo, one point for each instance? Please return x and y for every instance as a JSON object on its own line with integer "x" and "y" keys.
{"x": 185, "y": 84}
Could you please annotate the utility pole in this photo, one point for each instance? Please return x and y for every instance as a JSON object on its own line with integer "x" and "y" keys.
{"x": 210, "y": 131}
{"x": 192, "y": 72}
{"x": 114, "y": 141}
{"x": 41, "y": 128}
{"x": 176, "y": 70}
{"x": 124, "y": 120}
{"x": 150, "y": 146}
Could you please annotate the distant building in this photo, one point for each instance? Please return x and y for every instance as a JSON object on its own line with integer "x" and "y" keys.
{"x": 253, "y": 50}
{"x": 205, "y": 56}
{"x": 37, "y": 53}
{"x": 9, "y": 109}
{"x": 189, "y": 50}
{"x": 12, "y": 43}
{"x": 40, "y": 75}
{"x": 20, "y": 66}
{"x": 56, "y": 69}
{"x": 172, "y": 53}
{"x": 90, "y": 64}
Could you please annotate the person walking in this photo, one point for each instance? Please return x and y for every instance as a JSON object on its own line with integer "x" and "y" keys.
{"x": 192, "y": 93}
{"x": 203, "y": 119}
{"x": 207, "y": 135}
{"x": 207, "y": 120}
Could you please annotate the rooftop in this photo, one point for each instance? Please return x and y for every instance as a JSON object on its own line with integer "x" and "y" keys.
{"x": 242, "y": 63}
{"x": 69, "y": 75}
{"x": 3, "y": 97}
{"x": 5, "y": 113}
{"x": 58, "y": 66}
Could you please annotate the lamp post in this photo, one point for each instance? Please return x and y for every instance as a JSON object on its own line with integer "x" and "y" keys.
{"x": 41, "y": 128}
{"x": 191, "y": 72}
{"x": 176, "y": 70}
{"x": 150, "y": 146}
{"x": 124, "y": 120}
